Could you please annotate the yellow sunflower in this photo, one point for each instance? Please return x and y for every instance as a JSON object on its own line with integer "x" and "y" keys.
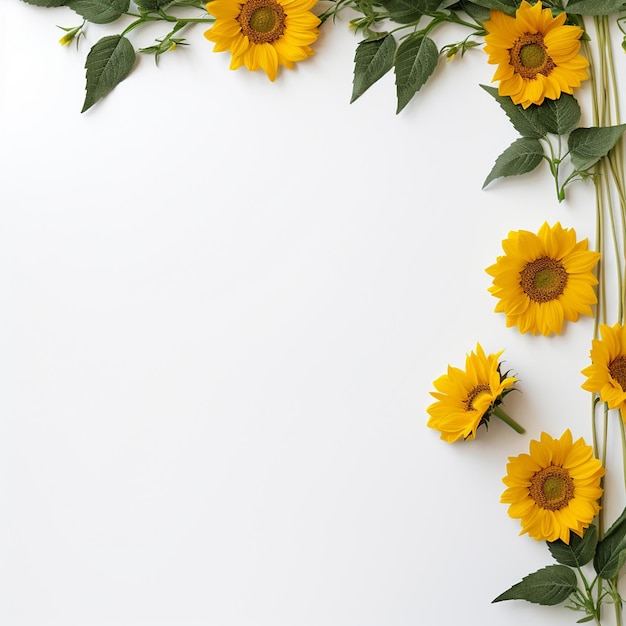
{"x": 466, "y": 399}
{"x": 607, "y": 373}
{"x": 263, "y": 34}
{"x": 555, "y": 489}
{"x": 544, "y": 279}
{"x": 536, "y": 54}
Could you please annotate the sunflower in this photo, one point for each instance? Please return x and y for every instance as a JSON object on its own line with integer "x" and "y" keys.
{"x": 607, "y": 373}
{"x": 536, "y": 54}
{"x": 555, "y": 489}
{"x": 466, "y": 399}
{"x": 544, "y": 279}
{"x": 263, "y": 33}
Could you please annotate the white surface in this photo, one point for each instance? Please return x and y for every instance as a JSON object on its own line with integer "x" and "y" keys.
{"x": 223, "y": 303}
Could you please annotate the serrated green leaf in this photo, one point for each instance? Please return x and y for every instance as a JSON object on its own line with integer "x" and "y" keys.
{"x": 588, "y": 145}
{"x": 152, "y": 5}
{"x": 372, "y": 60}
{"x": 521, "y": 157}
{"x": 416, "y": 60}
{"x": 595, "y": 7}
{"x": 108, "y": 63}
{"x": 558, "y": 116}
{"x": 99, "y": 11}
{"x": 611, "y": 551}
{"x": 506, "y": 6}
{"x": 553, "y": 116}
{"x": 402, "y": 11}
{"x": 525, "y": 121}
{"x": 548, "y": 586}
{"x": 46, "y": 3}
{"x": 579, "y": 552}
{"x": 475, "y": 11}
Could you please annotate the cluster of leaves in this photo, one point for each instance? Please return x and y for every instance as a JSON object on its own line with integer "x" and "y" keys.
{"x": 557, "y": 119}
{"x": 557, "y": 584}
{"x": 414, "y": 59}
{"x": 112, "y": 57}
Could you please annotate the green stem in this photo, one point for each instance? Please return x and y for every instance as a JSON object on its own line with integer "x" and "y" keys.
{"x": 499, "y": 413}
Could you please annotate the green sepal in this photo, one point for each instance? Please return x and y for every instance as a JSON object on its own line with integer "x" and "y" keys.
{"x": 108, "y": 63}
{"x": 579, "y": 551}
{"x": 99, "y": 11}
{"x": 611, "y": 551}
{"x": 521, "y": 157}
{"x": 595, "y": 7}
{"x": 548, "y": 586}
{"x": 372, "y": 60}
{"x": 588, "y": 145}
{"x": 416, "y": 60}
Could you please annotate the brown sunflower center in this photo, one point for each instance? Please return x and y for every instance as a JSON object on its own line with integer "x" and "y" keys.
{"x": 552, "y": 488}
{"x": 473, "y": 394}
{"x": 529, "y": 56}
{"x": 617, "y": 369}
{"x": 262, "y": 21}
{"x": 543, "y": 279}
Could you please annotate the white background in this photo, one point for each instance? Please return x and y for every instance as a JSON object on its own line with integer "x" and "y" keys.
{"x": 223, "y": 303}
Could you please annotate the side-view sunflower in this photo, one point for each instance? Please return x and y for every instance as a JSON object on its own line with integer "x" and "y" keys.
{"x": 263, "y": 34}
{"x": 536, "y": 54}
{"x": 555, "y": 489}
{"x": 544, "y": 279}
{"x": 607, "y": 373}
{"x": 467, "y": 398}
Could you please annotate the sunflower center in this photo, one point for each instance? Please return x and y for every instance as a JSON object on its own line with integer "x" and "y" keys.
{"x": 529, "y": 56}
{"x": 617, "y": 369}
{"x": 262, "y": 21}
{"x": 543, "y": 279}
{"x": 552, "y": 488}
{"x": 473, "y": 394}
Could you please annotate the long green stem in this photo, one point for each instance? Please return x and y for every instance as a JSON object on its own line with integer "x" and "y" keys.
{"x": 499, "y": 413}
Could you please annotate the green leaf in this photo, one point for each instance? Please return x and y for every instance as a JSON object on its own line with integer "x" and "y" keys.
{"x": 588, "y": 145}
{"x": 595, "y": 7}
{"x": 46, "y": 3}
{"x": 579, "y": 552}
{"x": 402, "y": 11}
{"x": 475, "y": 11}
{"x": 521, "y": 157}
{"x": 152, "y": 5}
{"x": 611, "y": 551}
{"x": 553, "y": 116}
{"x": 99, "y": 11}
{"x": 525, "y": 121}
{"x": 506, "y": 6}
{"x": 549, "y": 586}
{"x": 558, "y": 116}
{"x": 416, "y": 60}
{"x": 108, "y": 63}
{"x": 372, "y": 60}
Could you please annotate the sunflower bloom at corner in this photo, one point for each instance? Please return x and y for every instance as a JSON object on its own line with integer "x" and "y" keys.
{"x": 607, "y": 373}
{"x": 544, "y": 279}
{"x": 555, "y": 489}
{"x": 263, "y": 34}
{"x": 466, "y": 399}
{"x": 536, "y": 54}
